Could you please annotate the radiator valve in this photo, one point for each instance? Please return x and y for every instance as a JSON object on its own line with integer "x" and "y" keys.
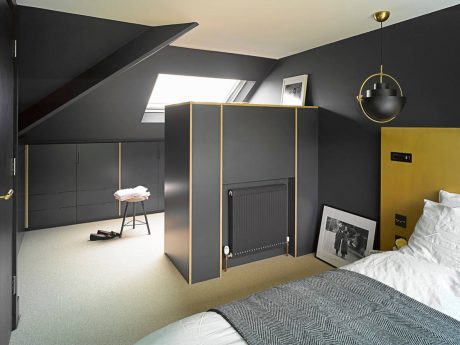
{"x": 227, "y": 256}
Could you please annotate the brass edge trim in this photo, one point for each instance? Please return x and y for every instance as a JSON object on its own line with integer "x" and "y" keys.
{"x": 295, "y": 182}
{"x": 246, "y": 105}
{"x": 221, "y": 186}
{"x": 270, "y": 105}
{"x": 26, "y": 186}
{"x": 119, "y": 176}
{"x": 190, "y": 201}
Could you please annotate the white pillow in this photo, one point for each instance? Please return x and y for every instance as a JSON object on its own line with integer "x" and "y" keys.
{"x": 436, "y": 236}
{"x": 449, "y": 199}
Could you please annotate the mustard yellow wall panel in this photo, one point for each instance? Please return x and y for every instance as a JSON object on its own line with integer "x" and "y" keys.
{"x": 435, "y": 165}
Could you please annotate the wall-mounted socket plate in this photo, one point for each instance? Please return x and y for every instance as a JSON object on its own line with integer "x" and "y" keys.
{"x": 401, "y": 157}
{"x": 398, "y": 237}
{"x": 400, "y": 220}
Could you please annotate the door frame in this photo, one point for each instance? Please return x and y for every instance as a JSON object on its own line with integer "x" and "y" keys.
{"x": 15, "y": 250}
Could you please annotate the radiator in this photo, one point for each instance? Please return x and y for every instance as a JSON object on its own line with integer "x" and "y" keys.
{"x": 258, "y": 218}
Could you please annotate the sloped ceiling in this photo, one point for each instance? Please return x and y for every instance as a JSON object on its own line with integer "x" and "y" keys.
{"x": 267, "y": 28}
{"x": 56, "y": 47}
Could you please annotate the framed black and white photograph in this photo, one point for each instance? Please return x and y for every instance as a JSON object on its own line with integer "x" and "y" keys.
{"x": 344, "y": 237}
{"x": 294, "y": 90}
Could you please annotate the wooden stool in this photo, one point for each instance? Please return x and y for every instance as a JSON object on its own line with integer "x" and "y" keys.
{"x": 133, "y": 221}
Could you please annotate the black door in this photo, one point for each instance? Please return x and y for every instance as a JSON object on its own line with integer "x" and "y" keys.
{"x": 97, "y": 180}
{"x": 6, "y": 175}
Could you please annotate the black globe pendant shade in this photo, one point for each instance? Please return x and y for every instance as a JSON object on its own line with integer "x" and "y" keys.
{"x": 382, "y": 103}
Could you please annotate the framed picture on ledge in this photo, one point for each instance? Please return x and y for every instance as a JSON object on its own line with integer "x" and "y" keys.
{"x": 294, "y": 90}
{"x": 344, "y": 237}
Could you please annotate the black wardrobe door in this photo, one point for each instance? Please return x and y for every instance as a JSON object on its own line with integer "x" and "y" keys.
{"x": 97, "y": 180}
{"x": 52, "y": 168}
{"x": 52, "y": 185}
{"x": 97, "y": 166}
{"x": 139, "y": 167}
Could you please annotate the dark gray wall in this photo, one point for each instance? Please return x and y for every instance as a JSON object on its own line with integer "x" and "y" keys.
{"x": 55, "y": 47}
{"x": 421, "y": 53}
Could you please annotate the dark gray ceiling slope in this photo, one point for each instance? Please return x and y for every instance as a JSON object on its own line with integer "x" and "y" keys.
{"x": 54, "y": 48}
{"x": 59, "y": 46}
{"x": 135, "y": 51}
{"x": 420, "y": 53}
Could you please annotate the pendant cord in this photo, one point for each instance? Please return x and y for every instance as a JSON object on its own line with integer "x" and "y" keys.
{"x": 381, "y": 44}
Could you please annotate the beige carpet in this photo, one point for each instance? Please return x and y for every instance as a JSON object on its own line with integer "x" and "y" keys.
{"x": 76, "y": 292}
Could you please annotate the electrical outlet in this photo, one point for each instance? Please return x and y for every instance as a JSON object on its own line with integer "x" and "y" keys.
{"x": 400, "y": 220}
{"x": 398, "y": 237}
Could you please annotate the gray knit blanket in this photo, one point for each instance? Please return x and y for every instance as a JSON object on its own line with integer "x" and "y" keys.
{"x": 338, "y": 307}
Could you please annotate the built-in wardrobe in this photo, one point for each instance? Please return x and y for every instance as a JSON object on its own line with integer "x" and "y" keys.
{"x": 241, "y": 184}
{"x": 74, "y": 183}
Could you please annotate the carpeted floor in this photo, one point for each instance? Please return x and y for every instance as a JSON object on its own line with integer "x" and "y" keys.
{"x": 76, "y": 292}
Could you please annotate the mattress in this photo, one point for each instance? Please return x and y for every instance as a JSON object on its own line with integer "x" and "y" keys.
{"x": 432, "y": 284}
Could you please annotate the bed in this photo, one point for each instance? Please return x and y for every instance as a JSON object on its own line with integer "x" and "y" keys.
{"x": 409, "y": 296}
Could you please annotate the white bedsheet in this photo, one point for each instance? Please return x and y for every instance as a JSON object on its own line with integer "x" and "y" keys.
{"x": 432, "y": 284}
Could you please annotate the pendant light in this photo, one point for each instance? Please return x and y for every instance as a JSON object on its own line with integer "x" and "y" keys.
{"x": 382, "y": 103}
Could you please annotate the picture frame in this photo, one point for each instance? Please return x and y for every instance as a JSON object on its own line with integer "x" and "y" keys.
{"x": 294, "y": 90}
{"x": 344, "y": 237}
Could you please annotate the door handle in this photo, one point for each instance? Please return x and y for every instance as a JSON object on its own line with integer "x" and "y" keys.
{"x": 8, "y": 195}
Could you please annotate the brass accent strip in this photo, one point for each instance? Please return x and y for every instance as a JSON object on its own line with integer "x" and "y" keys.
{"x": 246, "y": 105}
{"x": 190, "y": 201}
{"x": 295, "y": 182}
{"x": 26, "y": 186}
{"x": 119, "y": 176}
{"x": 221, "y": 186}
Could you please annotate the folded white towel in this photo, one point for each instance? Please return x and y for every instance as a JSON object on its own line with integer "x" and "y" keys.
{"x": 131, "y": 193}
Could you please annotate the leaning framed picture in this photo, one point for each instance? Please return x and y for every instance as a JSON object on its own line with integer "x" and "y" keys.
{"x": 294, "y": 90}
{"x": 344, "y": 237}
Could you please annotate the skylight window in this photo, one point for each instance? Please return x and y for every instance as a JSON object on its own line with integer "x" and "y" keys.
{"x": 171, "y": 89}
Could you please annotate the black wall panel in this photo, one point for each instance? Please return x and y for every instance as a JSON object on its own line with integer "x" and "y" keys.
{"x": 97, "y": 166}
{"x": 258, "y": 143}
{"x": 97, "y": 180}
{"x": 140, "y": 167}
{"x": 307, "y": 180}
{"x": 52, "y": 217}
{"x": 177, "y": 189}
{"x": 205, "y": 192}
{"x": 52, "y": 185}
{"x": 52, "y": 168}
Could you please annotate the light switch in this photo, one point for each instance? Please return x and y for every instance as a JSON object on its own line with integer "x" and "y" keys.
{"x": 400, "y": 220}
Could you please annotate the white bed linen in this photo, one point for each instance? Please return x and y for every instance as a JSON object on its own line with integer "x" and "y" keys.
{"x": 200, "y": 329}
{"x": 432, "y": 284}
{"x": 435, "y": 285}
